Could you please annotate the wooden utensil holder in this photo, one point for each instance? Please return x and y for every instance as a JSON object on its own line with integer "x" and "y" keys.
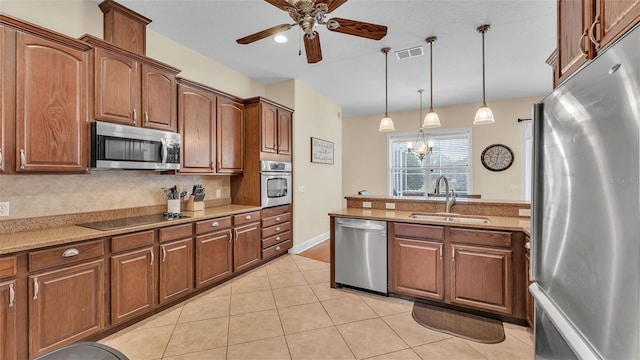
{"x": 193, "y": 205}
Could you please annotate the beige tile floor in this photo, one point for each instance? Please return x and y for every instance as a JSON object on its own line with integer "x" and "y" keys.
{"x": 286, "y": 310}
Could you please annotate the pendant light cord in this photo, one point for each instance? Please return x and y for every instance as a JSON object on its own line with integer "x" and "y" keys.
{"x": 482, "y": 29}
{"x": 420, "y": 118}
{"x": 430, "y": 78}
{"x": 386, "y": 79}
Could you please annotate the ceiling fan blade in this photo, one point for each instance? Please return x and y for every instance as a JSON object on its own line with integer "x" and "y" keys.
{"x": 281, "y": 4}
{"x": 359, "y": 28}
{"x": 312, "y": 47}
{"x": 332, "y": 4}
{"x": 263, "y": 34}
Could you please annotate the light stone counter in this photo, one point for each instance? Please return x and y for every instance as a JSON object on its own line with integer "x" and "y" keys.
{"x": 28, "y": 240}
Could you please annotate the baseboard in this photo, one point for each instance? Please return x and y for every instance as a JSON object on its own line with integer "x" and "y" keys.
{"x": 297, "y": 249}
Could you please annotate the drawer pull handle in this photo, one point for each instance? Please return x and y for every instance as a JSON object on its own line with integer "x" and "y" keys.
{"x": 0, "y": 158}
{"x": 440, "y": 251}
{"x": 277, "y": 247}
{"x": 230, "y": 235}
{"x": 278, "y": 228}
{"x": 36, "y": 288}
{"x": 12, "y": 295}
{"x": 164, "y": 254}
{"x": 527, "y": 245}
{"x": 277, "y": 238}
{"x": 70, "y": 253}
{"x": 135, "y": 117}
{"x": 236, "y": 233}
{"x": 248, "y": 217}
{"x": 453, "y": 253}
{"x": 23, "y": 159}
{"x": 152, "y": 257}
{"x": 215, "y": 224}
{"x": 146, "y": 118}
{"x": 592, "y": 35}
{"x": 278, "y": 218}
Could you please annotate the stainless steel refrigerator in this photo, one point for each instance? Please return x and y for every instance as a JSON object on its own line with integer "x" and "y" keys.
{"x": 586, "y": 210}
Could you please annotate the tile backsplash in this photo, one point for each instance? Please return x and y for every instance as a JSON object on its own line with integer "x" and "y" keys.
{"x": 46, "y": 195}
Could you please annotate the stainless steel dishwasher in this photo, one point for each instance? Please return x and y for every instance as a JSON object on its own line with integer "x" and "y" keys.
{"x": 361, "y": 254}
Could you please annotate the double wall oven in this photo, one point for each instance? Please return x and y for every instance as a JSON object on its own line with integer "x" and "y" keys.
{"x": 275, "y": 182}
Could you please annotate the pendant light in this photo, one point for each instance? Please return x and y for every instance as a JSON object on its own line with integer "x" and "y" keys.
{"x": 432, "y": 120}
{"x": 422, "y": 147}
{"x": 484, "y": 115}
{"x": 386, "y": 124}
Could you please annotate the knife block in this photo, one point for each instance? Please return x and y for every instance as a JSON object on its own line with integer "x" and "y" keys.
{"x": 193, "y": 205}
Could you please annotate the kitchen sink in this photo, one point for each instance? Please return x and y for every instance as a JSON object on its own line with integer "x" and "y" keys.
{"x": 451, "y": 218}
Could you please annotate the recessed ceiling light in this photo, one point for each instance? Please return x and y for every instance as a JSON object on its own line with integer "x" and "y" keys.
{"x": 280, "y": 39}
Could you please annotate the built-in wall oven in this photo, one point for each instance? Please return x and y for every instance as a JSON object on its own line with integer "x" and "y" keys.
{"x": 275, "y": 183}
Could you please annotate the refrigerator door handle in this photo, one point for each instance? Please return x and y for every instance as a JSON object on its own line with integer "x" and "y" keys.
{"x": 536, "y": 189}
{"x": 568, "y": 332}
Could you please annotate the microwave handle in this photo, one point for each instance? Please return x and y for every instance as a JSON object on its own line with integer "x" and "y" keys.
{"x": 165, "y": 151}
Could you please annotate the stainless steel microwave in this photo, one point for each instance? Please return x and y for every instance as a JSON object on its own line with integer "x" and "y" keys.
{"x": 116, "y": 146}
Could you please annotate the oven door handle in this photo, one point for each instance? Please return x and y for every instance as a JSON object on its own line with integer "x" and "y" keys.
{"x": 165, "y": 151}
{"x": 276, "y": 173}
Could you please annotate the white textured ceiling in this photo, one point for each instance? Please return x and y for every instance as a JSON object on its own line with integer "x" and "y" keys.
{"x": 522, "y": 35}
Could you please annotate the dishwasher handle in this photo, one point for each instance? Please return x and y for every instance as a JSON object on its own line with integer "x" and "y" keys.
{"x": 360, "y": 226}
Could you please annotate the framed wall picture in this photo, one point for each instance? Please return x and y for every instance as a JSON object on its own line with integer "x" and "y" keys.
{"x": 321, "y": 151}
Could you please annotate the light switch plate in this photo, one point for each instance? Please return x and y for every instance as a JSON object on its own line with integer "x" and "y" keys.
{"x": 4, "y": 208}
{"x": 218, "y": 193}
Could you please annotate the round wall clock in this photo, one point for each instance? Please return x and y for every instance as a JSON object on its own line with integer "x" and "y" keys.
{"x": 497, "y": 157}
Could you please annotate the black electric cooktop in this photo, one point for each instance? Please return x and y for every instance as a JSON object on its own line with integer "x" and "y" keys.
{"x": 132, "y": 221}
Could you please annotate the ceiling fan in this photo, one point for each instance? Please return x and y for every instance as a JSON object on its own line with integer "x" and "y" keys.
{"x": 308, "y": 14}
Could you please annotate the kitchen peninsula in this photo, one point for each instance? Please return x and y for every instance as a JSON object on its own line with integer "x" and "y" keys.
{"x": 473, "y": 259}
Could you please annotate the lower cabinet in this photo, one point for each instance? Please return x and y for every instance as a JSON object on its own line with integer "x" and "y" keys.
{"x": 176, "y": 270}
{"x": 8, "y": 324}
{"x": 132, "y": 284}
{"x": 247, "y": 248}
{"x": 214, "y": 257}
{"x": 65, "y": 305}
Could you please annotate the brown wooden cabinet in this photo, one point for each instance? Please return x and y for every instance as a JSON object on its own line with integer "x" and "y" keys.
{"x": 8, "y": 320}
{"x": 55, "y": 317}
{"x": 416, "y": 260}
{"x": 212, "y": 128}
{"x": 612, "y": 19}
{"x": 214, "y": 251}
{"x": 176, "y": 270}
{"x": 4, "y": 100}
{"x": 276, "y": 231}
{"x": 131, "y": 89}
{"x": 247, "y": 249}
{"x": 275, "y": 129}
{"x": 51, "y": 117}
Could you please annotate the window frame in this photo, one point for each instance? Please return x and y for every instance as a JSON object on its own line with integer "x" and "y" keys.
{"x": 429, "y": 134}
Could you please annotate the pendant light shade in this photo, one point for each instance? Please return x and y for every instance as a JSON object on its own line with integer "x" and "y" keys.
{"x": 431, "y": 120}
{"x": 484, "y": 115}
{"x": 386, "y": 124}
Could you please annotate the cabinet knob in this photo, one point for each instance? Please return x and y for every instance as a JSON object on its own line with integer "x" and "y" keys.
{"x": 527, "y": 245}
{"x": 277, "y": 247}
{"x": 215, "y": 224}
{"x": 248, "y": 217}
{"x": 278, "y": 228}
{"x": 278, "y": 218}
{"x": 277, "y": 238}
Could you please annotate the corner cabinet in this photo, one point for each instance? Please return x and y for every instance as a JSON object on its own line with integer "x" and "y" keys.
{"x": 212, "y": 128}
{"x": 131, "y": 89}
{"x": 45, "y": 80}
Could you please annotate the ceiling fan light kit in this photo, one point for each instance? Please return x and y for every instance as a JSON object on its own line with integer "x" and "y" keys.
{"x": 308, "y": 14}
{"x": 431, "y": 120}
{"x": 386, "y": 124}
{"x": 484, "y": 115}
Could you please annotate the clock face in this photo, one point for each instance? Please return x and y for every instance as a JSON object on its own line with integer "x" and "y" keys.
{"x": 497, "y": 157}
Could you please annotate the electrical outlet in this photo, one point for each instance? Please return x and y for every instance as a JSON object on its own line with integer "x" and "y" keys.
{"x": 366, "y": 204}
{"x": 218, "y": 193}
{"x": 390, "y": 206}
{"x": 4, "y": 208}
{"x": 524, "y": 212}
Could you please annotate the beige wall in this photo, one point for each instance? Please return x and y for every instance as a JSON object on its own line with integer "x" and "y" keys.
{"x": 365, "y": 149}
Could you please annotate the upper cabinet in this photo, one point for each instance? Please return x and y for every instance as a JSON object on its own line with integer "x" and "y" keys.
{"x": 212, "y": 128}
{"x": 45, "y": 79}
{"x": 3, "y": 106}
{"x": 588, "y": 26}
{"x": 275, "y": 129}
{"x": 132, "y": 89}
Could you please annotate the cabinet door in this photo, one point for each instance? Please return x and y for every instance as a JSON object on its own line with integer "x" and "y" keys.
{"x": 66, "y": 305}
{"x": 269, "y": 128}
{"x": 196, "y": 123}
{"x": 4, "y": 100}
{"x": 284, "y": 132}
{"x": 214, "y": 257}
{"x": 158, "y": 99}
{"x": 230, "y": 136}
{"x": 247, "y": 246}
{"x": 51, "y": 106}
{"x": 418, "y": 268}
{"x": 482, "y": 278}
{"x": 615, "y": 17}
{"x": 176, "y": 270}
{"x": 8, "y": 324}
{"x": 574, "y": 47}
{"x": 117, "y": 88}
{"x": 529, "y": 298}
{"x": 132, "y": 287}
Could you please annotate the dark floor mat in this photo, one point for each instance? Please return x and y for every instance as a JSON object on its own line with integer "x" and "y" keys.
{"x": 468, "y": 326}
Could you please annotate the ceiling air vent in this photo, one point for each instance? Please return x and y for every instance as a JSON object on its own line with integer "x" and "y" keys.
{"x": 409, "y": 53}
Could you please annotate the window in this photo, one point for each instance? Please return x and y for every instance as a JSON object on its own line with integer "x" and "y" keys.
{"x": 451, "y": 157}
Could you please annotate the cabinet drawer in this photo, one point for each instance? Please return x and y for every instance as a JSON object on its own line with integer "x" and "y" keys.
{"x": 175, "y": 232}
{"x": 276, "y": 249}
{"x": 8, "y": 267}
{"x": 274, "y": 220}
{"x": 246, "y": 218}
{"x": 132, "y": 241}
{"x": 481, "y": 237}
{"x": 63, "y": 255}
{"x": 273, "y": 230}
{"x": 276, "y": 239}
{"x": 276, "y": 211}
{"x": 203, "y": 227}
{"x": 418, "y": 231}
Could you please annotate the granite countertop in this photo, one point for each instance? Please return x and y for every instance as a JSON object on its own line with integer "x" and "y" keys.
{"x": 436, "y": 199}
{"x": 495, "y": 222}
{"x": 28, "y": 240}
